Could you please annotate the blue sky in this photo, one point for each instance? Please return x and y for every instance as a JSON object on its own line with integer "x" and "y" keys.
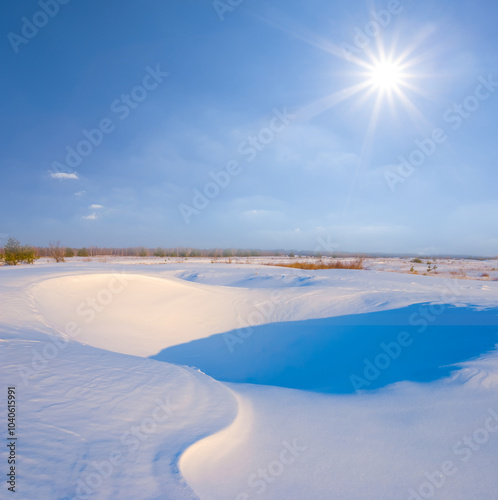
{"x": 256, "y": 136}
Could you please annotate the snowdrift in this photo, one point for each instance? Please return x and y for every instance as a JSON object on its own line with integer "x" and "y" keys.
{"x": 77, "y": 340}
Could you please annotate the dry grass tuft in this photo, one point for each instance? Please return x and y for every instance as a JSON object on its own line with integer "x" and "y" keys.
{"x": 336, "y": 264}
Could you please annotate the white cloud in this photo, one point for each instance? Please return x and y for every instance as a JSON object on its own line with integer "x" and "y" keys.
{"x": 64, "y": 175}
{"x": 96, "y": 207}
{"x": 92, "y": 216}
{"x": 80, "y": 193}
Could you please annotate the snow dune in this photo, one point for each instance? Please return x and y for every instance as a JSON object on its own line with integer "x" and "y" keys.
{"x": 95, "y": 424}
{"x": 132, "y": 313}
{"x": 91, "y": 349}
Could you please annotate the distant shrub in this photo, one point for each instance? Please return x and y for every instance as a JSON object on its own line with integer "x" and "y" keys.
{"x": 417, "y": 261}
{"x": 159, "y": 252}
{"x": 83, "y": 252}
{"x": 56, "y": 252}
{"x": 142, "y": 252}
{"x": 69, "y": 252}
{"x": 14, "y": 253}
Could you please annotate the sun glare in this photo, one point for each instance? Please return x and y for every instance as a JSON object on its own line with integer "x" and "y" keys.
{"x": 383, "y": 77}
{"x": 386, "y": 76}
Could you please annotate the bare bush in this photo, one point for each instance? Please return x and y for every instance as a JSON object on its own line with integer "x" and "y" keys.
{"x": 56, "y": 251}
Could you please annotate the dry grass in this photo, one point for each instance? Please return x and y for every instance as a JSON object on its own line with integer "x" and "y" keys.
{"x": 335, "y": 264}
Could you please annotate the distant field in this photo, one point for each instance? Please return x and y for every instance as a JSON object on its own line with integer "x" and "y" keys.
{"x": 454, "y": 268}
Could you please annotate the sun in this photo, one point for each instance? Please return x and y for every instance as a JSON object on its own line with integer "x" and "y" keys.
{"x": 386, "y": 76}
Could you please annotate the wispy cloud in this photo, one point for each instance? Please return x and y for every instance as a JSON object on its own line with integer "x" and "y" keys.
{"x": 80, "y": 193}
{"x": 64, "y": 175}
{"x": 92, "y": 216}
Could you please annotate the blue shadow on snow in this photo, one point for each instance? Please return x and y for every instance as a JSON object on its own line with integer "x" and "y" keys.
{"x": 342, "y": 354}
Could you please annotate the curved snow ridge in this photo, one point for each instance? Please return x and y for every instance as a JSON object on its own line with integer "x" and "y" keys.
{"x": 133, "y": 313}
{"x": 203, "y": 464}
{"x": 255, "y": 276}
{"x": 141, "y": 315}
{"x": 480, "y": 378}
{"x": 480, "y": 373}
{"x": 120, "y": 422}
{"x": 205, "y": 409}
{"x": 101, "y": 404}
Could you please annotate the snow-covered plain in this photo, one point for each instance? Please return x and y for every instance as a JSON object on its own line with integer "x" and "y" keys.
{"x": 400, "y": 373}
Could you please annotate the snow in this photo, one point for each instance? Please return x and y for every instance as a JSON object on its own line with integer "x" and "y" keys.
{"x": 112, "y": 404}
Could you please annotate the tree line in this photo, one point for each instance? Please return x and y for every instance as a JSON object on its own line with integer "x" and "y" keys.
{"x": 13, "y": 252}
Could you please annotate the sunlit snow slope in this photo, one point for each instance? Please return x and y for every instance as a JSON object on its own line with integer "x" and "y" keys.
{"x": 90, "y": 348}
